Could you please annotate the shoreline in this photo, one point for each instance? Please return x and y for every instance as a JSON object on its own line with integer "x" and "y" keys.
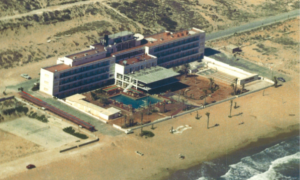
{"x": 252, "y": 147}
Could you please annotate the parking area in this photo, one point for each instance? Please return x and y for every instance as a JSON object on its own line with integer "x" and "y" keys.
{"x": 244, "y": 65}
{"x": 38, "y": 132}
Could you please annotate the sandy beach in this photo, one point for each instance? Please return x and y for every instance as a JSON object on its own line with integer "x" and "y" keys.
{"x": 274, "y": 114}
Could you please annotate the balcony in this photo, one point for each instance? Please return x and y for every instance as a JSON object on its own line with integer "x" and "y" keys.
{"x": 79, "y": 71}
{"x": 172, "y": 46}
{"x": 176, "y": 51}
{"x": 82, "y": 78}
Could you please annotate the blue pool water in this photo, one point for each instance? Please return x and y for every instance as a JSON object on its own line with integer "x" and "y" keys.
{"x": 135, "y": 103}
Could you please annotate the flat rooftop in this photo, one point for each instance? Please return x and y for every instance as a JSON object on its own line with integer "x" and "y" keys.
{"x": 98, "y": 48}
{"x": 133, "y": 60}
{"x": 153, "y": 74}
{"x": 78, "y": 98}
{"x": 61, "y": 67}
{"x": 57, "y": 67}
{"x": 168, "y": 36}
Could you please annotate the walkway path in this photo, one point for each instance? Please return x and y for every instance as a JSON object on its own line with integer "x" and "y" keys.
{"x": 47, "y": 9}
{"x": 252, "y": 25}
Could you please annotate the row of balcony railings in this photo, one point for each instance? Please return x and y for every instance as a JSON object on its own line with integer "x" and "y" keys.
{"x": 175, "y": 44}
{"x": 176, "y": 51}
{"x": 176, "y": 57}
{"x": 82, "y": 76}
{"x": 83, "y": 69}
{"x": 78, "y": 84}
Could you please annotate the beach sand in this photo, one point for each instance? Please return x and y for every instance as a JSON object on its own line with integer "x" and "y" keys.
{"x": 274, "y": 114}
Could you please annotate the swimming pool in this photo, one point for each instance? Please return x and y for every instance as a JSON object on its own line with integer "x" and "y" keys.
{"x": 135, "y": 103}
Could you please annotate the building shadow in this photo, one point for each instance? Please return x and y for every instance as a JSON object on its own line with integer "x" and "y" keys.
{"x": 173, "y": 87}
{"x": 210, "y": 52}
{"x": 216, "y": 125}
{"x": 239, "y": 114}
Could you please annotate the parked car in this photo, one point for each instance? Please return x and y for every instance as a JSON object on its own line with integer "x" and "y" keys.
{"x": 30, "y": 166}
{"x": 281, "y": 79}
{"x": 26, "y": 76}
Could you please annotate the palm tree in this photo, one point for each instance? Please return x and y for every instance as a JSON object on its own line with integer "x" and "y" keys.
{"x": 164, "y": 107}
{"x": 211, "y": 82}
{"x": 205, "y": 92}
{"x": 243, "y": 87}
{"x": 141, "y": 121}
{"x": 207, "y": 114}
{"x": 230, "y": 108}
{"x": 235, "y": 81}
{"x": 125, "y": 117}
{"x": 233, "y": 87}
{"x": 184, "y": 69}
{"x": 275, "y": 81}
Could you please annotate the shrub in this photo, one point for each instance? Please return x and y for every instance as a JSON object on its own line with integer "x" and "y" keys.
{"x": 71, "y": 131}
{"x": 147, "y": 134}
{"x": 41, "y": 118}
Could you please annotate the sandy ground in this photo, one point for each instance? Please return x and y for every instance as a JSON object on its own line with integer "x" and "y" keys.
{"x": 115, "y": 158}
{"x": 14, "y": 147}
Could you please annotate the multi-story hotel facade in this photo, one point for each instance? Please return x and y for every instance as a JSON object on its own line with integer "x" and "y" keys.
{"x": 129, "y": 59}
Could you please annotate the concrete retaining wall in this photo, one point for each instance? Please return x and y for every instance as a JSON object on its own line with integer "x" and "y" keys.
{"x": 64, "y": 150}
{"x": 231, "y": 69}
{"x": 6, "y": 98}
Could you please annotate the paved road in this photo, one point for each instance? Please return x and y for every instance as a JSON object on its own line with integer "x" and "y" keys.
{"x": 252, "y": 25}
{"x": 47, "y": 9}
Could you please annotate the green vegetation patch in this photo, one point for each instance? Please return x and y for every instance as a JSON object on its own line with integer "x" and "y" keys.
{"x": 265, "y": 49}
{"x": 41, "y": 118}
{"x": 86, "y": 27}
{"x": 147, "y": 134}
{"x": 285, "y": 41}
{"x": 71, "y": 131}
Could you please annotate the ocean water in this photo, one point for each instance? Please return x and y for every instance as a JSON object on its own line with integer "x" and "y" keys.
{"x": 277, "y": 162}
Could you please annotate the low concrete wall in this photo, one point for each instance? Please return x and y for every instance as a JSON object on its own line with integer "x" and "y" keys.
{"x": 6, "y": 98}
{"x": 127, "y": 131}
{"x": 121, "y": 129}
{"x": 226, "y": 66}
{"x": 83, "y": 144}
{"x": 64, "y": 150}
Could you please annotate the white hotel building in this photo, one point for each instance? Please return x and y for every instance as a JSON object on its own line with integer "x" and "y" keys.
{"x": 132, "y": 60}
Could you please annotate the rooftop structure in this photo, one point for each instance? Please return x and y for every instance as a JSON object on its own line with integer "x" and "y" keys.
{"x": 120, "y": 34}
{"x": 133, "y": 60}
{"x": 57, "y": 67}
{"x": 153, "y": 74}
{"x": 168, "y": 36}
{"x": 78, "y": 101}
